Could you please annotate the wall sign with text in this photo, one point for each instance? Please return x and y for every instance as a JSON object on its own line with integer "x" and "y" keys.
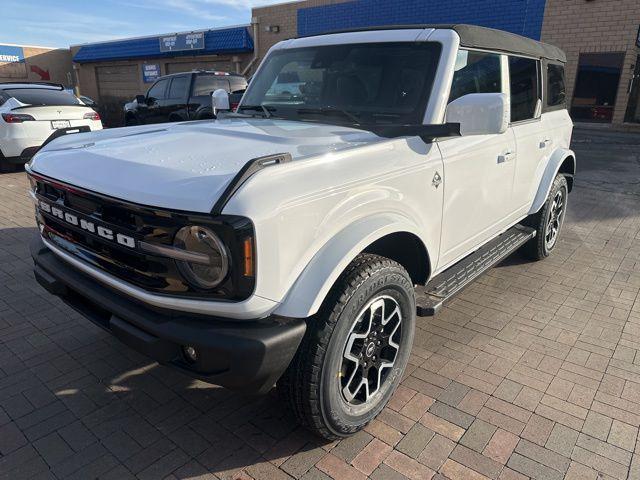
{"x": 182, "y": 41}
{"x": 150, "y": 72}
{"x": 12, "y": 63}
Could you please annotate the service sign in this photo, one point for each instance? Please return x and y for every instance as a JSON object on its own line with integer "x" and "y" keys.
{"x": 150, "y": 73}
{"x": 12, "y": 64}
{"x": 181, "y": 42}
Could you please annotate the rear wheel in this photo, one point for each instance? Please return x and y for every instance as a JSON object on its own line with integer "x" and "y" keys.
{"x": 355, "y": 350}
{"x": 548, "y": 221}
{"x": 5, "y": 165}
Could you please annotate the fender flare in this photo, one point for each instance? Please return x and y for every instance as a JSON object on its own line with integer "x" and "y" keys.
{"x": 551, "y": 170}
{"x": 311, "y": 287}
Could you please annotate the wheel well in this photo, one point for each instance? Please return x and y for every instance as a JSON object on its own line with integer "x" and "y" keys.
{"x": 406, "y": 249}
{"x": 568, "y": 167}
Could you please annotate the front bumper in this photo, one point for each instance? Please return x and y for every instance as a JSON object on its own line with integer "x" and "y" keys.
{"x": 248, "y": 356}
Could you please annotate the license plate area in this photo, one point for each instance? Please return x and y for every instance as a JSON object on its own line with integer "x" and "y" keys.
{"x": 58, "y": 124}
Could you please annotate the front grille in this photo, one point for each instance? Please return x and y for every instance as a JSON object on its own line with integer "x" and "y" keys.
{"x": 132, "y": 222}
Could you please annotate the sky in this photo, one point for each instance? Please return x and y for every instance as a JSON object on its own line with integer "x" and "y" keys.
{"x": 56, "y": 23}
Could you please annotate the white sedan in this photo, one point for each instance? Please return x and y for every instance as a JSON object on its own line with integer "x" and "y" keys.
{"x": 31, "y": 113}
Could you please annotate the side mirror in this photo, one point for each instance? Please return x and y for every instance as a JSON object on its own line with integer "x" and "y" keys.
{"x": 480, "y": 113}
{"x": 141, "y": 100}
{"x": 219, "y": 100}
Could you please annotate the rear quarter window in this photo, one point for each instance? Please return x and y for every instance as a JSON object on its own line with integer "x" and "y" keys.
{"x": 556, "y": 89}
{"x": 41, "y": 96}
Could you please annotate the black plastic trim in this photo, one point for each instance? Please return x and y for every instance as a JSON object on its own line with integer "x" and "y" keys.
{"x": 65, "y": 131}
{"x": 243, "y": 355}
{"x": 252, "y": 166}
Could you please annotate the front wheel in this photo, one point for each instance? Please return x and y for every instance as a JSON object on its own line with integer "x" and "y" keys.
{"x": 355, "y": 350}
{"x": 548, "y": 221}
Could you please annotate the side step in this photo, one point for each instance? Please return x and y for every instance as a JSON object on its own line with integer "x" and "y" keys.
{"x": 442, "y": 287}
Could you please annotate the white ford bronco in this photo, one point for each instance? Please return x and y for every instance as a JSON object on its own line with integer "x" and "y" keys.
{"x": 366, "y": 177}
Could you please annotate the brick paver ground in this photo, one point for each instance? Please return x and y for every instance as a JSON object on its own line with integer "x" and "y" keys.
{"x": 533, "y": 371}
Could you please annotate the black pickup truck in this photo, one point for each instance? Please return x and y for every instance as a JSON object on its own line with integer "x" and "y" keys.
{"x": 183, "y": 96}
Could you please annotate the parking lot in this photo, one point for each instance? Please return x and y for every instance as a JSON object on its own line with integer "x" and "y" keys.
{"x": 531, "y": 372}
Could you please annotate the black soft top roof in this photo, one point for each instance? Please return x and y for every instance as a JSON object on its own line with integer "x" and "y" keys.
{"x": 475, "y": 36}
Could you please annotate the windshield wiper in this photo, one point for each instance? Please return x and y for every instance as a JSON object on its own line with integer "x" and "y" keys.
{"x": 330, "y": 109}
{"x": 266, "y": 110}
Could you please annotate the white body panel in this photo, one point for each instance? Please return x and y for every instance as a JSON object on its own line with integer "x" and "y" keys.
{"x": 183, "y": 166}
{"x": 344, "y": 189}
{"x": 16, "y": 137}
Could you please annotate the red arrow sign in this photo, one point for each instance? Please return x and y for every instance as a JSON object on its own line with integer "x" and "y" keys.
{"x": 44, "y": 74}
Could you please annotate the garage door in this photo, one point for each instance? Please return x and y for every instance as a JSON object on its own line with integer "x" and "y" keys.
{"x": 116, "y": 86}
{"x": 190, "y": 66}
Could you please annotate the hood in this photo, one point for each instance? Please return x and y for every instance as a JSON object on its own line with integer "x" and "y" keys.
{"x": 183, "y": 166}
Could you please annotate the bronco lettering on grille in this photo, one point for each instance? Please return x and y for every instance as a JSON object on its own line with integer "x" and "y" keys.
{"x": 88, "y": 226}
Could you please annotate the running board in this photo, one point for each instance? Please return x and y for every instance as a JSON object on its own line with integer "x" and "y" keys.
{"x": 442, "y": 287}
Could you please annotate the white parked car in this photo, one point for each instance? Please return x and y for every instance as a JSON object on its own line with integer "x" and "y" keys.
{"x": 32, "y": 113}
{"x": 294, "y": 242}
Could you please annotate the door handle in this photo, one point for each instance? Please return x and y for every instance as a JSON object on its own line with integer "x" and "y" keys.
{"x": 505, "y": 157}
{"x": 545, "y": 142}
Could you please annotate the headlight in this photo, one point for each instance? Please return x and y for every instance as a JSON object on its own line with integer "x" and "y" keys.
{"x": 200, "y": 272}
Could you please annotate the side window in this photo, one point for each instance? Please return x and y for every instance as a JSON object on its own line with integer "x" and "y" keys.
{"x": 179, "y": 87}
{"x": 158, "y": 90}
{"x": 476, "y": 72}
{"x": 524, "y": 88}
{"x": 205, "y": 85}
{"x": 556, "y": 91}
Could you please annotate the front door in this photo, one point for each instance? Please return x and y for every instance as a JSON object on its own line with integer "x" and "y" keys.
{"x": 633, "y": 108}
{"x": 151, "y": 111}
{"x": 478, "y": 170}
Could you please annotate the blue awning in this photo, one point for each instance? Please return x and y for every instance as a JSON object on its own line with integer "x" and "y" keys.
{"x": 223, "y": 41}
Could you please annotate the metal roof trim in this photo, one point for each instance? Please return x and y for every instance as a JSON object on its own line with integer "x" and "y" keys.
{"x": 218, "y": 41}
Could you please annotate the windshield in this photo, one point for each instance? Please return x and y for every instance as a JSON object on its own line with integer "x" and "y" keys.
{"x": 43, "y": 96}
{"x": 370, "y": 83}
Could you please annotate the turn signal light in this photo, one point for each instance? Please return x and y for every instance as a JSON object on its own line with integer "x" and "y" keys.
{"x": 17, "y": 117}
{"x": 248, "y": 257}
{"x": 95, "y": 116}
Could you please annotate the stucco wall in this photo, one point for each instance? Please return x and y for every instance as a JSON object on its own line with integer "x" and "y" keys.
{"x": 41, "y": 64}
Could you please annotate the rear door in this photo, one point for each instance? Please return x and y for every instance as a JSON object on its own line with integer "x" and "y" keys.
{"x": 533, "y": 141}
{"x": 175, "y": 105}
{"x": 478, "y": 170}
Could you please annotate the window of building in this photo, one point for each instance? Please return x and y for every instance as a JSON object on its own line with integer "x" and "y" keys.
{"x": 524, "y": 83}
{"x": 476, "y": 72}
{"x": 158, "y": 90}
{"x": 556, "y": 91}
{"x": 207, "y": 84}
{"x": 597, "y": 82}
{"x": 179, "y": 88}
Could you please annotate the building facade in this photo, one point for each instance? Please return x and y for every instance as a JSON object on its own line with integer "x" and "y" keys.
{"x": 22, "y": 63}
{"x": 601, "y": 38}
{"x": 114, "y": 72}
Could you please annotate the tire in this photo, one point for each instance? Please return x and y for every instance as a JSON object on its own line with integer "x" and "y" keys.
{"x": 333, "y": 354}
{"x": 5, "y": 166}
{"x": 131, "y": 121}
{"x": 549, "y": 216}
